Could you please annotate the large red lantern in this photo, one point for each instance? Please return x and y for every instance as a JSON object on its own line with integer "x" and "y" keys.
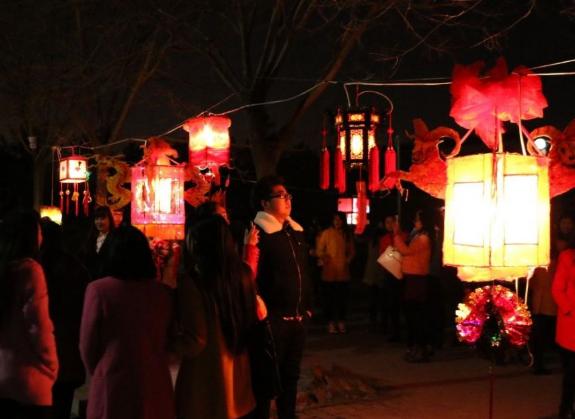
{"x": 209, "y": 140}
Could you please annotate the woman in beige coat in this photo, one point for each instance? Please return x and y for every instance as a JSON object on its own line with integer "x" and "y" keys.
{"x": 217, "y": 309}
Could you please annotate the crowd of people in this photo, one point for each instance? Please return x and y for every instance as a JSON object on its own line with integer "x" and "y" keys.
{"x": 233, "y": 314}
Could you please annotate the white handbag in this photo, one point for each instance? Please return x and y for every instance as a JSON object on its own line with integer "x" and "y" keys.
{"x": 390, "y": 260}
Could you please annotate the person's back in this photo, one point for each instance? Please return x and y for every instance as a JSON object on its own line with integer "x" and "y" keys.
{"x": 212, "y": 381}
{"x": 124, "y": 335}
{"x": 124, "y": 346}
{"x": 216, "y": 313}
{"x": 28, "y": 362}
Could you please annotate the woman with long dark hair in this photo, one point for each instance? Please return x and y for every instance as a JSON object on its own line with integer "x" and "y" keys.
{"x": 415, "y": 266}
{"x": 28, "y": 361}
{"x": 217, "y": 310}
{"x": 124, "y": 334}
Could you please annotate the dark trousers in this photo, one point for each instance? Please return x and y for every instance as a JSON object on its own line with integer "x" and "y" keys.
{"x": 62, "y": 398}
{"x": 11, "y": 409}
{"x": 392, "y": 297}
{"x": 289, "y": 336}
{"x": 542, "y": 337}
{"x": 335, "y": 296}
{"x": 417, "y": 319}
{"x": 416, "y": 309}
{"x": 568, "y": 387}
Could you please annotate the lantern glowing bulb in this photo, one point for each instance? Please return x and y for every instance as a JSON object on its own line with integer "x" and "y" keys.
{"x": 542, "y": 144}
{"x": 496, "y": 215}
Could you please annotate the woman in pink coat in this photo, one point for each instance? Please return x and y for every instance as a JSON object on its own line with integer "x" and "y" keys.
{"x": 124, "y": 333}
{"x": 563, "y": 289}
{"x": 28, "y": 361}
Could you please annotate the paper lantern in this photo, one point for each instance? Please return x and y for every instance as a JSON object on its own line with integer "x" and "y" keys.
{"x": 158, "y": 201}
{"x": 209, "y": 140}
{"x": 496, "y": 215}
{"x": 73, "y": 169}
{"x": 51, "y": 212}
{"x": 73, "y": 173}
{"x": 356, "y": 134}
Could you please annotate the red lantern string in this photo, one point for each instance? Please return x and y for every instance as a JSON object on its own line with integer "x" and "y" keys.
{"x": 67, "y": 200}
{"x": 361, "y": 207}
{"x": 61, "y": 194}
{"x": 374, "y": 169}
{"x": 339, "y": 172}
{"x": 76, "y": 199}
{"x": 390, "y": 154}
{"x": 324, "y": 161}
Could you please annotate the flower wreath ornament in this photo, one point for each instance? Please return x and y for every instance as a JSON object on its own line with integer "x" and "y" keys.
{"x": 493, "y": 317}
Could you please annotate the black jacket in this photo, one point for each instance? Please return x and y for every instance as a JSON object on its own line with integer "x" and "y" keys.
{"x": 282, "y": 275}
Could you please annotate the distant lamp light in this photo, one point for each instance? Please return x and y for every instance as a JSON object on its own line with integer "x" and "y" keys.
{"x": 51, "y": 212}
{"x": 542, "y": 144}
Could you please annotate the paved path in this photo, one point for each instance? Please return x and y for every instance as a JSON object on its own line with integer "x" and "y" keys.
{"x": 454, "y": 385}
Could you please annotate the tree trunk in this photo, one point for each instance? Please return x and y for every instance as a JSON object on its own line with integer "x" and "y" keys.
{"x": 266, "y": 156}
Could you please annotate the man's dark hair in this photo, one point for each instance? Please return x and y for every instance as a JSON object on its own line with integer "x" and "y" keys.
{"x": 264, "y": 188}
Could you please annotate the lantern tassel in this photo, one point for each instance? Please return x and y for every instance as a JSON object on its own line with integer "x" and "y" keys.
{"x": 339, "y": 175}
{"x": 361, "y": 207}
{"x": 67, "y": 201}
{"x": 76, "y": 200}
{"x": 324, "y": 169}
{"x": 87, "y": 199}
{"x": 374, "y": 169}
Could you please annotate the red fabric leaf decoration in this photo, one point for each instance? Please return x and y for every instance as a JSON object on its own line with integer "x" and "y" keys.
{"x": 482, "y": 102}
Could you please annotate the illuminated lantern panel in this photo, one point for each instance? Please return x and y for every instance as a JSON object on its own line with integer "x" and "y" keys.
{"x": 349, "y": 206}
{"x": 158, "y": 201}
{"x": 51, "y": 212}
{"x": 73, "y": 169}
{"x": 353, "y": 129}
{"x": 496, "y": 215}
{"x": 209, "y": 140}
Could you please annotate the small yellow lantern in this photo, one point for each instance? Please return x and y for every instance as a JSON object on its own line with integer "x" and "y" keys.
{"x": 496, "y": 215}
{"x": 74, "y": 172}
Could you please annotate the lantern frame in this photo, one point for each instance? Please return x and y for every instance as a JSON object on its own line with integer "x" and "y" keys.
{"x": 156, "y": 214}
{"x": 496, "y": 215}
{"x": 353, "y": 126}
{"x": 73, "y": 169}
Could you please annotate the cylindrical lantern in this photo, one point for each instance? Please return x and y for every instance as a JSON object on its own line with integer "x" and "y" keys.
{"x": 356, "y": 134}
{"x": 158, "y": 201}
{"x": 209, "y": 140}
{"x": 73, "y": 169}
{"x": 496, "y": 215}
